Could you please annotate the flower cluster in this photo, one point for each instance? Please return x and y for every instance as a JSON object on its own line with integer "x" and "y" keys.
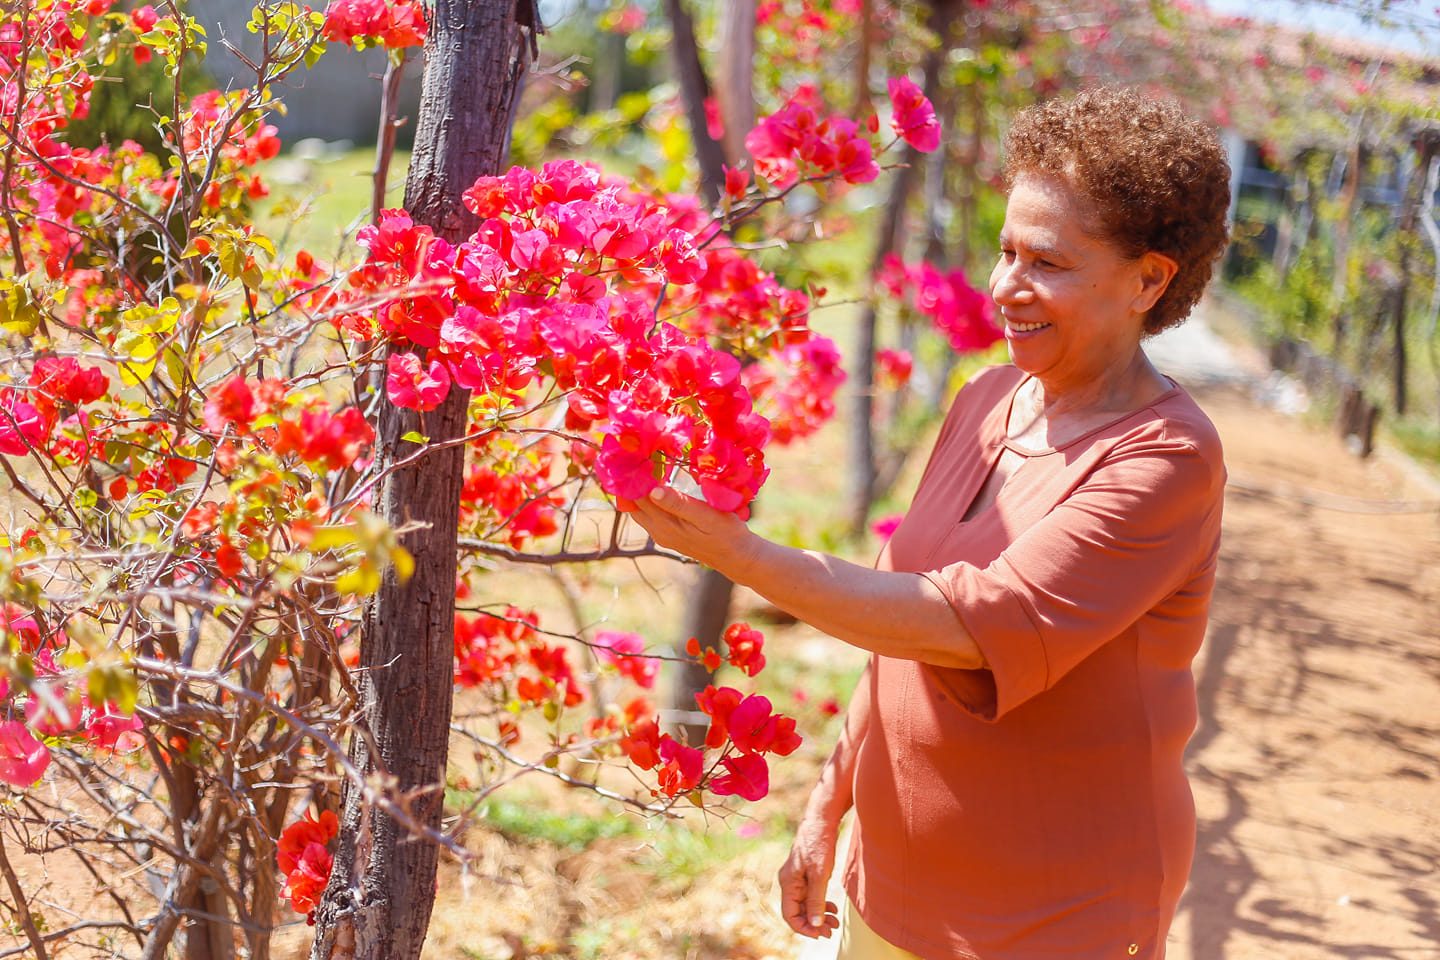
{"x": 913, "y": 118}
{"x": 560, "y": 283}
{"x": 961, "y": 313}
{"x": 801, "y": 383}
{"x": 799, "y": 141}
{"x": 743, "y": 728}
{"x": 305, "y": 860}
{"x": 54, "y": 704}
{"x": 505, "y": 652}
{"x": 393, "y": 24}
{"x": 625, "y": 652}
{"x": 745, "y": 644}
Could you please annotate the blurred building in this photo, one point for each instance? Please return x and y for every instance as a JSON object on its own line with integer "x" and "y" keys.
{"x": 337, "y": 99}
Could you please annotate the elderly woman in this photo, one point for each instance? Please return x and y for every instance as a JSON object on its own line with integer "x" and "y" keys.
{"x": 1013, "y": 751}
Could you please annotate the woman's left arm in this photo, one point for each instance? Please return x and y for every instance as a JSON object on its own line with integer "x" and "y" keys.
{"x": 901, "y": 615}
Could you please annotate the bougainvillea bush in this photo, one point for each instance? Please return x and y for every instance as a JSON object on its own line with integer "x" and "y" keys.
{"x": 186, "y": 420}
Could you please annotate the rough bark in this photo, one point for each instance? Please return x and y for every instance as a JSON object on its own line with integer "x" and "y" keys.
{"x": 382, "y": 884}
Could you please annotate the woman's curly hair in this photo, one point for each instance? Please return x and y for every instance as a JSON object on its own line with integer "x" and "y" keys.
{"x": 1157, "y": 178}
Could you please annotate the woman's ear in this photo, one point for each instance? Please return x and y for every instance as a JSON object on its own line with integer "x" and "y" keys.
{"x": 1156, "y": 272}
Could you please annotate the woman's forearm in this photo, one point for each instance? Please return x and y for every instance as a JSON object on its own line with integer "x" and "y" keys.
{"x": 900, "y": 615}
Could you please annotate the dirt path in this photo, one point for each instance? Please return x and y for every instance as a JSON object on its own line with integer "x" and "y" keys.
{"x": 1316, "y": 766}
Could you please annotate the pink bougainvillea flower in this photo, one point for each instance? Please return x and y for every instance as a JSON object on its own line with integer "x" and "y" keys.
{"x": 23, "y": 759}
{"x": 755, "y": 729}
{"x": 143, "y": 18}
{"x": 748, "y": 779}
{"x": 625, "y": 652}
{"x": 914, "y": 117}
{"x": 21, "y": 427}
{"x": 414, "y": 384}
{"x": 51, "y": 717}
{"x": 885, "y": 527}
{"x": 17, "y": 622}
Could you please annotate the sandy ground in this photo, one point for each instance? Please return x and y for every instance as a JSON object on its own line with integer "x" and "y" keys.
{"x": 1316, "y": 766}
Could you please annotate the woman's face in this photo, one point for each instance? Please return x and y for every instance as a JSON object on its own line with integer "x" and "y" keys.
{"x": 1074, "y": 306}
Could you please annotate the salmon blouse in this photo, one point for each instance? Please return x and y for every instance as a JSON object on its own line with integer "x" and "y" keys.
{"x": 1039, "y": 808}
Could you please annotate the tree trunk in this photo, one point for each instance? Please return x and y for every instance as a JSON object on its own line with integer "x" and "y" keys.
{"x": 695, "y": 90}
{"x": 863, "y": 469}
{"x": 382, "y": 885}
{"x": 1409, "y": 224}
{"x": 705, "y": 617}
{"x": 863, "y": 104}
{"x": 735, "y": 93}
{"x": 709, "y": 604}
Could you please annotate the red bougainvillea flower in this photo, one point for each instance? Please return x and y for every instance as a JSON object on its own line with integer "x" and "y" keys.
{"x": 303, "y": 832}
{"x": 304, "y": 859}
{"x": 109, "y": 729}
{"x": 143, "y": 18}
{"x": 230, "y": 403}
{"x": 23, "y": 759}
{"x": 625, "y": 652}
{"x": 718, "y": 703}
{"x": 914, "y": 118}
{"x": 641, "y": 743}
{"x": 683, "y": 767}
{"x": 745, "y": 648}
{"x": 893, "y": 368}
{"x": 64, "y": 379}
{"x": 748, "y": 777}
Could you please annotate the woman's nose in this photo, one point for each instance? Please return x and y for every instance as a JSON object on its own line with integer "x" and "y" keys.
{"x": 1007, "y": 283}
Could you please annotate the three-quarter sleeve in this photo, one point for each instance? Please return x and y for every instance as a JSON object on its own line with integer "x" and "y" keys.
{"x": 1129, "y": 535}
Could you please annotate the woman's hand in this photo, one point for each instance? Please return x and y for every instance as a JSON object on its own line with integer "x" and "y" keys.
{"x": 804, "y": 877}
{"x": 694, "y": 528}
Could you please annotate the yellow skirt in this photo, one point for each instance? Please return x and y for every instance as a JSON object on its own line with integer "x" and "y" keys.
{"x": 859, "y": 942}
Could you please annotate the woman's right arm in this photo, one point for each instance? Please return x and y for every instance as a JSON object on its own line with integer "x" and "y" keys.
{"x": 806, "y": 872}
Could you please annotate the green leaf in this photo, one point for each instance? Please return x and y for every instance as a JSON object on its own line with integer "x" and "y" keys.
{"x": 328, "y": 538}
{"x": 415, "y": 436}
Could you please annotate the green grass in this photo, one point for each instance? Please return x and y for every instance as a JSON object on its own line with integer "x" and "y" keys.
{"x": 533, "y": 822}
{"x": 316, "y": 205}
